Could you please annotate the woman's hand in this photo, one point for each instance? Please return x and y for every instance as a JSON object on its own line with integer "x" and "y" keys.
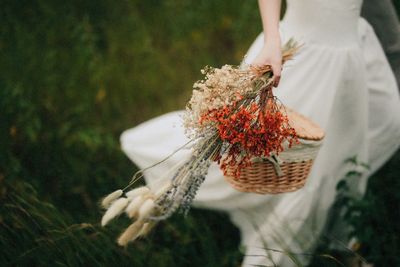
{"x": 271, "y": 54}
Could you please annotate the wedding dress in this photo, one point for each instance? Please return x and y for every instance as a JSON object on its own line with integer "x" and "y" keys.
{"x": 342, "y": 81}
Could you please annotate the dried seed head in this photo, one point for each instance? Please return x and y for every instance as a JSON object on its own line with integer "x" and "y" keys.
{"x": 137, "y": 192}
{"x": 146, "y": 228}
{"x": 131, "y": 233}
{"x": 109, "y": 199}
{"x": 146, "y": 208}
{"x": 134, "y": 206}
{"x": 115, "y": 209}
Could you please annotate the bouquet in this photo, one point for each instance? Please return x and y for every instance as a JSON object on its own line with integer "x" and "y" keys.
{"x": 232, "y": 118}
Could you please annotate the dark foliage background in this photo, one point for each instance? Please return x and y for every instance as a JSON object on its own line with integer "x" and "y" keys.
{"x": 73, "y": 76}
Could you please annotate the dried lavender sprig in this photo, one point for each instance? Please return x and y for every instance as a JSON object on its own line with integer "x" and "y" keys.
{"x": 165, "y": 200}
{"x": 186, "y": 178}
{"x": 171, "y": 206}
{"x": 199, "y": 176}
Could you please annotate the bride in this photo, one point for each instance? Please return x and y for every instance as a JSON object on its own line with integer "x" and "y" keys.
{"x": 342, "y": 81}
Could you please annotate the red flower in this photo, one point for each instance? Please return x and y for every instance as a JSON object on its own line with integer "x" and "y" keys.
{"x": 253, "y": 130}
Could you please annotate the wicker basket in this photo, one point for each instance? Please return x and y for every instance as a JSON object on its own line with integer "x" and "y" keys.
{"x": 286, "y": 172}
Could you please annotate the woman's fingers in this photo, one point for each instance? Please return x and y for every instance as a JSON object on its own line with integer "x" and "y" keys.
{"x": 276, "y": 80}
{"x": 265, "y": 58}
{"x": 276, "y": 70}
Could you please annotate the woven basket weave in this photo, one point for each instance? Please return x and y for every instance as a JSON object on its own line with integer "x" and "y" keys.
{"x": 289, "y": 170}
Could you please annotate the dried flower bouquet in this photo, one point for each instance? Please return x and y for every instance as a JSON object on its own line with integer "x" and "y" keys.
{"x": 232, "y": 118}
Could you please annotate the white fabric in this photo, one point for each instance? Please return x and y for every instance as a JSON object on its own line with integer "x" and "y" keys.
{"x": 341, "y": 80}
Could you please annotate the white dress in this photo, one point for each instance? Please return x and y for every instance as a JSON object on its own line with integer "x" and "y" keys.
{"x": 341, "y": 80}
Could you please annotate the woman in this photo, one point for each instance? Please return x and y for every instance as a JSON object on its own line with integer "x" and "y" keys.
{"x": 342, "y": 81}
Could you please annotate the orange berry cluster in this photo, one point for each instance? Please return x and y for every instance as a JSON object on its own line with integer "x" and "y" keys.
{"x": 253, "y": 130}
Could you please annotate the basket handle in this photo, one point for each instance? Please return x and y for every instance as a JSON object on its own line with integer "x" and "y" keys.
{"x": 276, "y": 162}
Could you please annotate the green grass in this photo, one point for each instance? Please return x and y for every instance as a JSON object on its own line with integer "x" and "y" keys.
{"x": 35, "y": 233}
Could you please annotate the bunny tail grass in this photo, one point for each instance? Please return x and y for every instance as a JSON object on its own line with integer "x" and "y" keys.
{"x": 115, "y": 209}
{"x": 107, "y": 201}
{"x": 134, "y": 206}
{"x": 131, "y": 233}
{"x": 137, "y": 192}
{"x": 146, "y": 228}
{"x": 146, "y": 209}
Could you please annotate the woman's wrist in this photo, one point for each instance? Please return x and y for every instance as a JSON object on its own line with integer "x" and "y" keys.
{"x": 272, "y": 37}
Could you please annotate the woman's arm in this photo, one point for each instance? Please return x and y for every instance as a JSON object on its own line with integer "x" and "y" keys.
{"x": 271, "y": 53}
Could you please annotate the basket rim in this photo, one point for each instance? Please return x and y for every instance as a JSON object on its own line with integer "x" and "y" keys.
{"x": 319, "y": 133}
